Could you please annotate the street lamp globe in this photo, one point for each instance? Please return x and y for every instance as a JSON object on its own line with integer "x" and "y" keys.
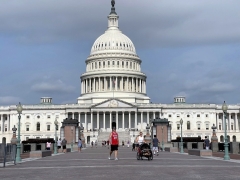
{"x": 181, "y": 121}
{"x": 56, "y": 122}
{"x": 19, "y": 108}
{"x": 224, "y": 107}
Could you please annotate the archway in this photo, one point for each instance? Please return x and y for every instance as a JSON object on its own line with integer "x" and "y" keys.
{"x": 234, "y": 139}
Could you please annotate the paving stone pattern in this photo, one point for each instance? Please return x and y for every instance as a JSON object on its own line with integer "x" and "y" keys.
{"x": 93, "y": 163}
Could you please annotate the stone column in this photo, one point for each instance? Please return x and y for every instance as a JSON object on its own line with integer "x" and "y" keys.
{"x": 132, "y": 85}
{"x": 2, "y": 125}
{"x": 148, "y": 118}
{"x": 123, "y": 120}
{"x": 104, "y": 121}
{"x": 127, "y": 86}
{"x": 141, "y": 121}
{"x": 140, "y": 85}
{"x": 86, "y": 123}
{"x": 236, "y": 123}
{"x": 110, "y": 83}
{"x": 137, "y": 89}
{"x": 92, "y": 121}
{"x": 229, "y": 121}
{"x": 136, "y": 120}
{"x": 99, "y": 83}
{"x": 117, "y": 120}
{"x": 154, "y": 115}
{"x": 98, "y": 120}
{"x": 110, "y": 121}
{"x": 79, "y": 118}
{"x": 129, "y": 119}
{"x": 8, "y": 122}
{"x": 105, "y": 83}
{"x": 94, "y": 84}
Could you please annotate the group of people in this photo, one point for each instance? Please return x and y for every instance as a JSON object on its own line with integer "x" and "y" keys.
{"x": 63, "y": 144}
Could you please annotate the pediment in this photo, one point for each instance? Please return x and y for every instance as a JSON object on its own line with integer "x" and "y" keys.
{"x": 113, "y": 103}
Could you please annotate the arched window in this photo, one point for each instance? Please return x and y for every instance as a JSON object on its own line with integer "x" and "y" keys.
{"x": 228, "y": 138}
{"x": 188, "y": 125}
{"x": 38, "y": 126}
{"x": 221, "y": 138}
{"x": 234, "y": 138}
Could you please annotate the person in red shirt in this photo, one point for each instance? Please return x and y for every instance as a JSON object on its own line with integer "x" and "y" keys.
{"x": 114, "y": 142}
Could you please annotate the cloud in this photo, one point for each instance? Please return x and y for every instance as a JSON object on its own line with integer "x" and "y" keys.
{"x": 7, "y": 100}
{"x": 52, "y": 87}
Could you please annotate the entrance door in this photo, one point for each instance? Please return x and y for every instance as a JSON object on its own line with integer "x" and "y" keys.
{"x": 113, "y": 124}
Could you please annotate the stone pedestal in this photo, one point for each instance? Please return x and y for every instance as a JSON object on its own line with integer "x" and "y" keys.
{"x": 189, "y": 145}
{"x": 214, "y": 147}
{"x": 214, "y": 138}
{"x": 200, "y": 145}
{"x": 175, "y": 144}
{"x": 234, "y": 147}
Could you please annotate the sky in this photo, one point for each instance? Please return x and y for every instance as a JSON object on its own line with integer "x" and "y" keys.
{"x": 188, "y": 48}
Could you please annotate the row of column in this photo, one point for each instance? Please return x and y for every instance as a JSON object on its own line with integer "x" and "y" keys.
{"x": 113, "y": 64}
{"x": 101, "y": 84}
{"x": 3, "y": 122}
{"x": 116, "y": 114}
{"x": 228, "y": 121}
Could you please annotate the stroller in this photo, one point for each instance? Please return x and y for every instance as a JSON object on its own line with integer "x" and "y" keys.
{"x": 144, "y": 150}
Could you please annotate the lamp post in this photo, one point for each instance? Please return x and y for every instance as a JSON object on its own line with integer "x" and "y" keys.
{"x": 19, "y": 110}
{"x": 181, "y": 147}
{"x": 72, "y": 140}
{"x": 162, "y": 140}
{"x": 226, "y": 155}
{"x": 55, "y": 145}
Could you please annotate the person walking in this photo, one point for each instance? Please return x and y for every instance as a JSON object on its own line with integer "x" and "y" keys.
{"x": 155, "y": 145}
{"x": 114, "y": 142}
{"x": 92, "y": 144}
{"x": 128, "y": 143}
{"x": 48, "y": 145}
{"x": 59, "y": 143}
{"x": 64, "y": 144}
{"x": 79, "y": 145}
{"x": 206, "y": 143}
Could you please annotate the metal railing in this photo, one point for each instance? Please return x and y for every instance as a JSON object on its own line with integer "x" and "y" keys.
{"x": 7, "y": 153}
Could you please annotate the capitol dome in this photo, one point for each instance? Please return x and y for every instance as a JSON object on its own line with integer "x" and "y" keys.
{"x": 113, "y": 69}
{"x": 113, "y": 40}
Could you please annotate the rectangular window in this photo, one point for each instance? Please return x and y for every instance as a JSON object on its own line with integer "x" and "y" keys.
{"x": 178, "y": 115}
{"x": 207, "y": 126}
{"x": 199, "y": 127}
{"x": 27, "y": 138}
{"x": 232, "y": 127}
{"x": 27, "y": 127}
{"x": 220, "y": 127}
{"x": 48, "y": 116}
{"x": 198, "y": 115}
{"x": 178, "y": 126}
{"x": 48, "y": 127}
{"x": 38, "y": 126}
{"x": 206, "y": 115}
{"x": 188, "y": 125}
{"x": 5, "y": 129}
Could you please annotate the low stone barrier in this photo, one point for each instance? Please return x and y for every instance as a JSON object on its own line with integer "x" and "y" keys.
{"x": 171, "y": 149}
{"x": 200, "y": 152}
{"x": 40, "y": 154}
{"x": 68, "y": 150}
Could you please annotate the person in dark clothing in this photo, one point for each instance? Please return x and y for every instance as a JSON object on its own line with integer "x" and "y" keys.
{"x": 155, "y": 145}
{"x": 206, "y": 143}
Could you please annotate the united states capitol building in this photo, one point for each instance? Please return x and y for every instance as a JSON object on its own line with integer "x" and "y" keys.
{"x": 113, "y": 89}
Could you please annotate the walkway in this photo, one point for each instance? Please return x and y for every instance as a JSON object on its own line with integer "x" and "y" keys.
{"x": 92, "y": 163}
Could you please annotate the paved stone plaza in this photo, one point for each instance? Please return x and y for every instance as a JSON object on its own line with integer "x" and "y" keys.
{"x": 92, "y": 163}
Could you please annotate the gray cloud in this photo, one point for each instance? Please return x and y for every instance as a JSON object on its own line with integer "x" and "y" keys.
{"x": 52, "y": 87}
{"x": 7, "y": 100}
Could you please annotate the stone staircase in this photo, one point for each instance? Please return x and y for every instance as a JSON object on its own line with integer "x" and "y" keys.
{"x": 123, "y": 136}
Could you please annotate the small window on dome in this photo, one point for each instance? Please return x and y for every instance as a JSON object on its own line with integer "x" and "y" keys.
{"x": 122, "y": 64}
{"x": 116, "y": 44}
{"x": 113, "y": 63}
{"x": 99, "y": 64}
{"x": 120, "y": 44}
{"x": 105, "y": 44}
{"x": 118, "y": 63}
